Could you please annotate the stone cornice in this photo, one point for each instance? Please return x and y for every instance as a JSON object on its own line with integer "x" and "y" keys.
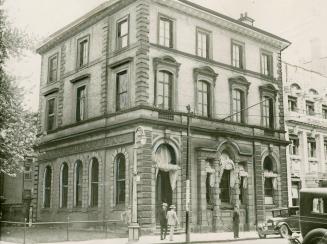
{"x": 212, "y": 130}
{"x": 225, "y": 22}
{"x": 309, "y": 125}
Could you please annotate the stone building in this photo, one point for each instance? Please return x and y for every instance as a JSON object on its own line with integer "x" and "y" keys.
{"x": 128, "y": 64}
{"x": 305, "y": 99}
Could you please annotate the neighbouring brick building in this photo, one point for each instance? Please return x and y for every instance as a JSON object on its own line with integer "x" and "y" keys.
{"x": 305, "y": 99}
{"x": 140, "y": 63}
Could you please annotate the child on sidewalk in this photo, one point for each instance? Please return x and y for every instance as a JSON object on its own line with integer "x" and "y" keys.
{"x": 172, "y": 221}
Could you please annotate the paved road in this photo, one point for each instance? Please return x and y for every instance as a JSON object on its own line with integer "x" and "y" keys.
{"x": 260, "y": 241}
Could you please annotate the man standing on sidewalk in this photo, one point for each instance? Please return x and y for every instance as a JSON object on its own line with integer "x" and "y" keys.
{"x": 236, "y": 221}
{"x": 163, "y": 221}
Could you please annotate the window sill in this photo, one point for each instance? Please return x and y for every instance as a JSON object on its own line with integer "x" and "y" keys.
{"x": 119, "y": 207}
{"x": 312, "y": 159}
{"x": 226, "y": 206}
{"x": 120, "y": 50}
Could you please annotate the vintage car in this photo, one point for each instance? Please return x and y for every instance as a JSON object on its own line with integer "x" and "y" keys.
{"x": 284, "y": 221}
{"x": 313, "y": 215}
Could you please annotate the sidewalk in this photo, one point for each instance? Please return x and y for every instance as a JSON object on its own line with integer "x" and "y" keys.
{"x": 180, "y": 238}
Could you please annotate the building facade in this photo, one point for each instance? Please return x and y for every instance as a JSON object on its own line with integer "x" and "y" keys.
{"x": 16, "y": 193}
{"x": 128, "y": 64}
{"x": 306, "y": 126}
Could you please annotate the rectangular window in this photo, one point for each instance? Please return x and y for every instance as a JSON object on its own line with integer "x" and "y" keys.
{"x": 81, "y": 103}
{"x": 53, "y": 68}
{"x": 292, "y": 104}
{"x": 166, "y": 32}
{"x": 267, "y": 64}
{"x": 121, "y": 90}
{"x": 122, "y": 33}
{"x": 238, "y": 106}
{"x": 311, "y": 148}
{"x": 164, "y": 90}
{"x": 237, "y": 56}
{"x": 83, "y": 52}
{"x": 319, "y": 205}
{"x": 310, "y": 108}
{"x": 203, "y": 98}
{"x": 203, "y": 44}
{"x": 51, "y": 114}
{"x": 225, "y": 187}
{"x": 268, "y": 112}
{"x": 294, "y": 146}
{"x": 324, "y": 111}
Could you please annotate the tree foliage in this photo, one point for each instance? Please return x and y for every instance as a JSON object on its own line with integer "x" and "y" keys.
{"x": 17, "y": 126}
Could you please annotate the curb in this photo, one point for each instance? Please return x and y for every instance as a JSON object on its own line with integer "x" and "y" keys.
{"x": 213, "y": 241}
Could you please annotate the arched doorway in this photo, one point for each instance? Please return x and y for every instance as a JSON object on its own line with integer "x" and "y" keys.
{"x": 166, "y": 168}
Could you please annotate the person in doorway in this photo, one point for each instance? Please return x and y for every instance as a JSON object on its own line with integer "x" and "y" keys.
{"x": 163, "y": 221}
{"x": 172, "y": 221}
{"x": 236, "y": 221}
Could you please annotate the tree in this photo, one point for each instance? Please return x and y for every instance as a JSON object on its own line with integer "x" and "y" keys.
{"x": 17, "y": 126}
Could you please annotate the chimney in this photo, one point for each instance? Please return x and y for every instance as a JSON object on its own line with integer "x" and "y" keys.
{"x": 244, "y": 18}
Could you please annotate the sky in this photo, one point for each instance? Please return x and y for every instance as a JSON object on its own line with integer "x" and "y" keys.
{"x": 298, "y": 21}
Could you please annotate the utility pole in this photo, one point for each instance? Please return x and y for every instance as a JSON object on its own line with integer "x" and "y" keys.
{"x": 187, "y": 224}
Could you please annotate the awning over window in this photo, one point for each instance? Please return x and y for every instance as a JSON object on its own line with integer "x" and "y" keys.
{"x": 163, "y": 159}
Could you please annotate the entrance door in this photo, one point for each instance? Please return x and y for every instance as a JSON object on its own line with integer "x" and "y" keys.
{"x": 163, "y": 191}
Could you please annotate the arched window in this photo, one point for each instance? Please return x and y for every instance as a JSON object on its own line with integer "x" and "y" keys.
{"x": 120, "y": 178}
{"x": 47, "y": 187}
{"x": 164, "y": 90}
{"x": 203, "y": 98}
{"x": 94, "y": 182}
{"x": 63, "y": 185}
{"x": 78, "y": 174}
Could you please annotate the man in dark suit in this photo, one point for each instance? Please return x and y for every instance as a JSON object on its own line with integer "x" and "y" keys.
{"x": 236, "y": 221}
{"x": 163, "y": 221}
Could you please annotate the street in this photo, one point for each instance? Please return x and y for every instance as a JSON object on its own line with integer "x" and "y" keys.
{"x": 260, "y": 241}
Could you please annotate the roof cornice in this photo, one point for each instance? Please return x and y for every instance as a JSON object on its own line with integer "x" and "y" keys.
{"x": 82, "y": 23}
{"x": 226, "y": 22}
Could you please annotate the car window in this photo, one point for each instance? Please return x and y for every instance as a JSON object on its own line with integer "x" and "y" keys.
{"x": 319, "y": 205}
{"x": 284, "y": 213}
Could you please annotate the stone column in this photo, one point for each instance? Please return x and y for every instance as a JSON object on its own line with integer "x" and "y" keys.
{"x": 202, "y": 201}
{"x": 216, "y": 200}
{"x": 304, "y": 156}
{"x": 320, "y": 153}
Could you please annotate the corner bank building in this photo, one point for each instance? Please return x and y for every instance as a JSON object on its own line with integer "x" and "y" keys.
{"x": 138, "y": 64}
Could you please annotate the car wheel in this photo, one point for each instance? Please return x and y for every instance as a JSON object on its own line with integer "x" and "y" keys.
{"x": 283, "y": 231}
{"x": 261, "y": 235}
{"x": 316, "y": 236}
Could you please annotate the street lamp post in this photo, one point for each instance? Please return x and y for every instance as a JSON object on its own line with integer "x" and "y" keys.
{"x": 134, "y": 227}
